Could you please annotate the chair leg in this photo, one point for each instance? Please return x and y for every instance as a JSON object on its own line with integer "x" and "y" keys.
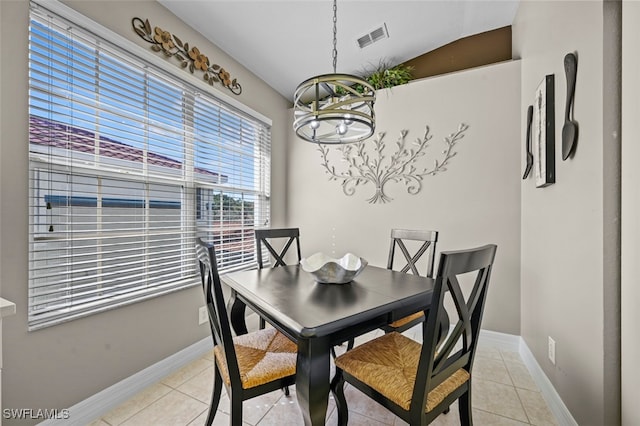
{"x": 263, "y": 323}
{"x": 235, "y": 407}
{"x": 337, "y": 388}
{"x": 464, "y": 407}
{"x": 215, "y": 397}
{"x": 350, "y": 344}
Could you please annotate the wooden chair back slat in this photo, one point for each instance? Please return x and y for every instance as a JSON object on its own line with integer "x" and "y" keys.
{"x": 218, "y": 318}
{"x": 264, "y": 238}
{"x": 428, "y": 239}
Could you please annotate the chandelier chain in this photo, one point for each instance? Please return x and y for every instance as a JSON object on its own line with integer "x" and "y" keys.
{"x": 335, "y": 35}
{"x": 334, "y": 108}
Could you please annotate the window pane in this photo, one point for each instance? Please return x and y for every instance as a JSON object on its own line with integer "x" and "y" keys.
{"x": 127, "y": 166}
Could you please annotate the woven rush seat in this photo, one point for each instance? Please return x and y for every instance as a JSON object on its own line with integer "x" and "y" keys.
{"x": 263, "y": 356}
{"x": 406, "y": 320}
{"x": 389, "y": 364}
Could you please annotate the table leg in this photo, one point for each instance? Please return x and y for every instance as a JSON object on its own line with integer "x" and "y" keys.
{"x": 312, "y": 379}
{"x": 236, "y": 309}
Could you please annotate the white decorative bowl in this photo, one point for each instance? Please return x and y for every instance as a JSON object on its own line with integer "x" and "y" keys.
{"x": 328, "y": 270}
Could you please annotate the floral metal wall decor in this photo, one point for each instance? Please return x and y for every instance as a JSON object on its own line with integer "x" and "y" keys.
{"x": 364, "y": 167}
{"x": 169, "y": 44}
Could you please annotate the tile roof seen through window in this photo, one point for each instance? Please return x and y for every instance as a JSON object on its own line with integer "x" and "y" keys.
{"x": 56, "y": 134}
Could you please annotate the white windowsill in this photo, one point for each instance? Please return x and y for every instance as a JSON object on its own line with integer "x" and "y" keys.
{"x": 6, "y": 308}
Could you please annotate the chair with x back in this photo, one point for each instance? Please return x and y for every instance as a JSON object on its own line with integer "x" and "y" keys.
{"x": 248, "y": 365}
{"x": 399, "y": 238}
{"x": 419, "y": 382}
{"x": 266, "y": 238}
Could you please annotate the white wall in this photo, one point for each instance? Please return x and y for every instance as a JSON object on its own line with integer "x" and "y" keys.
{"x": 568, "y": 229}
{"x": 630, "y": 213}
{"x": 476, "y": 201}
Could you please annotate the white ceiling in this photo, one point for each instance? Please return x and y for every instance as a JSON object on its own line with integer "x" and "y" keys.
{"x": 286, "y": 42}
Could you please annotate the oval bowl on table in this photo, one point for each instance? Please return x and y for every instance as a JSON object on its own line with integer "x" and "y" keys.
{"x": 328, "y": 270}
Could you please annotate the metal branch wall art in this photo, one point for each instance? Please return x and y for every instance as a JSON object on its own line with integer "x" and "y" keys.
{"x": 169, "y": 44}
{"x": 364, "y": 167}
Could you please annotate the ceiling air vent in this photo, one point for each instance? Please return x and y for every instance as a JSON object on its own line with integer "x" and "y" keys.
{"x": 373, "y": 36}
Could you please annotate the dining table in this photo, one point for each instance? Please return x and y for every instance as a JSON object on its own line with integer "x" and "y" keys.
{"x": 318, "y": 316}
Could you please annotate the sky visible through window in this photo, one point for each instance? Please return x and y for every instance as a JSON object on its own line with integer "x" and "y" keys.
{"x": 126, "y": 97}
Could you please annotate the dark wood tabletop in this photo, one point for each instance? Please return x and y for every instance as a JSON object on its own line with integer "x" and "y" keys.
{"x": 318, "y": 316}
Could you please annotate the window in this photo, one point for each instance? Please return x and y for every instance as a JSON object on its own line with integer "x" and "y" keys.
{"x": 128, "y": 164}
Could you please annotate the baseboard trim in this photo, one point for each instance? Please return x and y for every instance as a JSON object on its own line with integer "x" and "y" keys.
{"x": 504, "y": 341}
{"x": 104, "y": 401}
{"x": 549, "y": 393}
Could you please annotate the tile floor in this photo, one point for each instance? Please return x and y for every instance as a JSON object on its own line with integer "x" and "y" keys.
{"x": 503, "y": 394}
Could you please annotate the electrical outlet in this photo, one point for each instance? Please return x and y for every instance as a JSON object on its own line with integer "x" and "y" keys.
{"x": 552, "y": 351}
{"x": 202, "y": 315}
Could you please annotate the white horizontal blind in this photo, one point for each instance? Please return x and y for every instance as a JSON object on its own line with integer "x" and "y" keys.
{"x": 127, "y": 166}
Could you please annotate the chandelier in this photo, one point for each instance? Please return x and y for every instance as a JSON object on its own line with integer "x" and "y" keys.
{"x": 334, "y": 108}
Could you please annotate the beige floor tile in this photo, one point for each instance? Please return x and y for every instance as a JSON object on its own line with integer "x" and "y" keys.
{"x": 200, "y": 386}
{"x": 253, "y": 410}
{"x": 98, "y": 422}
{"x": 136, "y": 404}
{"x": 221, "y": 419}
{"x": 520, "y": 376}
{"x": 286, "y": 412}
{"x": 362, "y": 404}
{"x": 187, "y": 372}
{"x": 536, "y": 408}
{"x": 415, "y": 333}
{"x": 491, "y": 369}
{"x": 173, "y": 409}
{"x": 356, "y": 419}
{"x": 482, "y": 418}
{"x": 484, "y": 351}
{"x": 209, "y": 355}
{"x": 497, "y": 398}
{"x": 511, "y": 356}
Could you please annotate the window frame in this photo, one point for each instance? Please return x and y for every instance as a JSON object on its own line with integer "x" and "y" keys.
{"x": 192, "y": 184}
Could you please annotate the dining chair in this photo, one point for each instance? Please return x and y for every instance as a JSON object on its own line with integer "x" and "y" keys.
{"x": 267, "y": 238}
{"x": 399, "y": 239}
{"x": 418, "y": 382}
{"x": 248, "y": 365}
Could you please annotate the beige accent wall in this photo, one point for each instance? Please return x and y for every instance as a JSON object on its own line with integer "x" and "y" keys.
{"x": 468, "y": 52}
{"x": 569, "y": 237}
{"x": 630, "y": 213}
{"x": 59, "y": 366}
{"x": 476, "y": 201}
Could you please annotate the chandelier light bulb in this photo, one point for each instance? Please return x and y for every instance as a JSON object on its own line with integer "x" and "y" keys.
{"x": 347, "y": 119}
{"x": 341, "y": 128}
{"x": 314, "y": 124}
